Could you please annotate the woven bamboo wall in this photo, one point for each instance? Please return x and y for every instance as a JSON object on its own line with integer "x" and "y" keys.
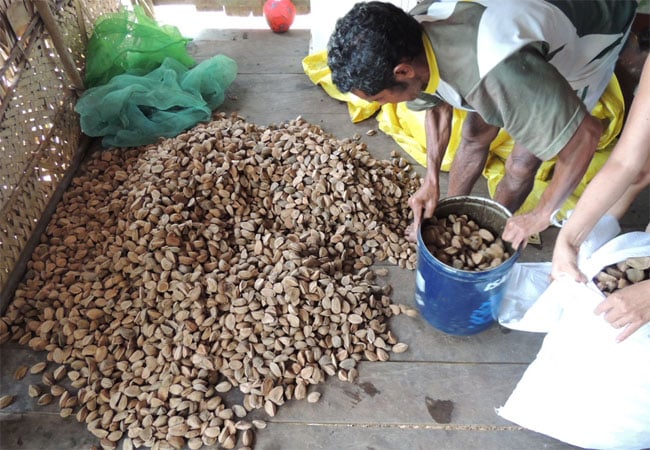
{"x": 39, "y": 130}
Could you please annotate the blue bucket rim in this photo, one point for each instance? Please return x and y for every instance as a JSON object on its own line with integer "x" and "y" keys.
{"x": 452, "y": 270}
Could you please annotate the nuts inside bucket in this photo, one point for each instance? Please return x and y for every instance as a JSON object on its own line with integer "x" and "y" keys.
{"x": 461, "y": 242}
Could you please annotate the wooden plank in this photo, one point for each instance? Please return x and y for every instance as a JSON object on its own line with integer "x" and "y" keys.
{"x": 290, "y": 95}
{"x": 287, "y": 436}
{"x": 257, "y": 39}
{"x": 495, "y": 345}
{"x": 395, "y": 393}
{"x": 255, "y": 51}
{"x": 43, "y": 431}
{"x": 39, "y": 431}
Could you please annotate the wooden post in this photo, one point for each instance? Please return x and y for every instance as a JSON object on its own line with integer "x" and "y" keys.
{"x": 81, "y": 22}
{"x": 57, "y": 38}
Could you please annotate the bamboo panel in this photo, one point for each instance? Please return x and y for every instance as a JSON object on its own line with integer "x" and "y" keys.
{"x": 39, "y": 130}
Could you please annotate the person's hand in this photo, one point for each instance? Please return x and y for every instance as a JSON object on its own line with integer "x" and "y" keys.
{"x": 627, "y": 308}
{"x": 565, "y": 257}
{"x": 519, "y": 228}
{"x": 423, "y": 203}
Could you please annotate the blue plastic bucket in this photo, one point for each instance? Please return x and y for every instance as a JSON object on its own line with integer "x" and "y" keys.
{"x": 462, "y": 302}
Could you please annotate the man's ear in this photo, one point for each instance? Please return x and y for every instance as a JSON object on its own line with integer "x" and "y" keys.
{"x": 403, "y": 72}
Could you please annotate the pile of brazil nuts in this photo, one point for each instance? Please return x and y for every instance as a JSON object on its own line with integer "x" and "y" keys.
{"x": 462, "y": 243}
{"x": 622, "y": 274}
{"x": 231, "y": 257}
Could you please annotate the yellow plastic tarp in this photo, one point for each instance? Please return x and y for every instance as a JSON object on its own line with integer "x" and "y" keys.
{"x": 406, "y": 127}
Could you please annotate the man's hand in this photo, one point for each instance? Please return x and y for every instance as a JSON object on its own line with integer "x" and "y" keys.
{"x": 627, "y": 308}
{"x": 423, "y": 203}
{"x": 518, "y": 228}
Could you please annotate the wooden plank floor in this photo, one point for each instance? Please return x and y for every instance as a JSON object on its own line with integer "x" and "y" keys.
{"x": 390, "y": 405}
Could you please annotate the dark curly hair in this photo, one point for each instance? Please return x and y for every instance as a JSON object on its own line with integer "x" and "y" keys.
{"x": 368, "y": 42}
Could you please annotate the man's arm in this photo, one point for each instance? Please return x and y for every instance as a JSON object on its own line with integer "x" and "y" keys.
{"x": 571, "y": 165}
{"x": 472, "y": 153}
{"x": 437, "y": 124}
{"x": 537, "y": 106}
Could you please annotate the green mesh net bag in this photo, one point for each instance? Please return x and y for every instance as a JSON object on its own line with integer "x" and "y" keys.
{"x": 133, "y": 110}
{"x": 131, "y": 42}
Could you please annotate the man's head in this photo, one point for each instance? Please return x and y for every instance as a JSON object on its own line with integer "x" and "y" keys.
{"x": 372, "y": 48}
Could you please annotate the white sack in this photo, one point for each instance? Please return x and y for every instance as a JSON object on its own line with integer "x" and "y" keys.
{"x": 583, "y": 387}
{"x": 522, "y": 308}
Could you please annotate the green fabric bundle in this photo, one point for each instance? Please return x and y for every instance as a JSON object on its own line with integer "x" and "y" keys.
{"x": 132, "y": 110}
{"x": 131, "y": 42}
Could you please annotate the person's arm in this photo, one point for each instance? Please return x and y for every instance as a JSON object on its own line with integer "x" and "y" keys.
{"x": 471, "y": 155}
{"x": 438, "y": 130}
{"x": 628, "y": 168}
{"x": 571, "y": 165}
{"x": 536, "y": 105}
{"x": 629, "y": 163}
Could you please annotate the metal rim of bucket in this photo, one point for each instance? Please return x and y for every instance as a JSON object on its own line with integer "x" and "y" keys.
{"x": 465, "y": 200}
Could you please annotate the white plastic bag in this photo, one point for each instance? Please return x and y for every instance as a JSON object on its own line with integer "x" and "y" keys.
{"x": 583, "y": 387}
{"x": 522, "y": 308}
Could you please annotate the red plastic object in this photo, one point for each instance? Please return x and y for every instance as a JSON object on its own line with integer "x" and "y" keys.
{"x": 279, "y": 14}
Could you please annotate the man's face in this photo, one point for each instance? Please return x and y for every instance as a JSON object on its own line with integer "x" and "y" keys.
{"x": 386, "y": 96}
{"x": 396, "y": 94}
{"x": 406, "y": 89}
